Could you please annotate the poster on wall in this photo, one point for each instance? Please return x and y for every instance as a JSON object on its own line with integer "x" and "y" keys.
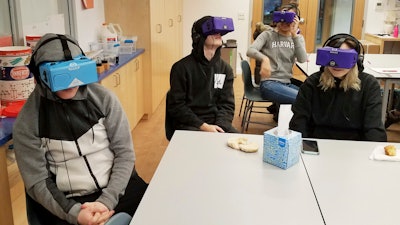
{"x": 88, "y": 4}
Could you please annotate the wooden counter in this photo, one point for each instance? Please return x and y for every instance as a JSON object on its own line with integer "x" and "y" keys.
{"x": 388, "y": 44}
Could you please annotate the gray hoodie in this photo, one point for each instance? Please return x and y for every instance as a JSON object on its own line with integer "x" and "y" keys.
{"x": 75, "y": 147}
{"x": 282, "y": 52}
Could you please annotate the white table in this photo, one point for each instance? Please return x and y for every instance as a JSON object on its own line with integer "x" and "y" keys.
{"x": 351, "y": 188}
{"x": 370, "y": 61}
{"x": 202, "y": 181}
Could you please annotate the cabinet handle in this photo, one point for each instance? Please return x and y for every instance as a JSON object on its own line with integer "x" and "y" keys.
{"x": 179, "y": 18}
{"x": 158, "y": 28}
{"x": 117, "y": 79}
{"x": 171, "y": 22}
{"x": 137, "y": 65}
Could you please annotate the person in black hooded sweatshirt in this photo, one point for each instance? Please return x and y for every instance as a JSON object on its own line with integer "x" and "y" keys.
{"x": 340, "y": 103}
{"x": 201, "y": 96}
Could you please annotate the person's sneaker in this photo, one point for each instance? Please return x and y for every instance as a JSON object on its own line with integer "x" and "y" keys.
{"x": 272, "y": 108}
{"x": 391, "y": 118}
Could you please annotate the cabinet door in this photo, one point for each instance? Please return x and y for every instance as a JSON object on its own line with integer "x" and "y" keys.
{"x": 127, "y": 84}
{"x": 159, "y": 48}
{"x": 138, "y": 91}
{"x": 118, "y": 82}
{"x": 128, "y": 92}
{"x": 132, "y": 87}
{"x": 113, "y": 81}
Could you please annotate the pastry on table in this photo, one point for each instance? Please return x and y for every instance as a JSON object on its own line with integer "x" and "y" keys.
{"x": 390, "y": 150}
{"x": 240, "y": 143}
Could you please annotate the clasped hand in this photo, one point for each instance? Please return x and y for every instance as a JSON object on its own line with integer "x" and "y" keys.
{"x": 94, "y": 213}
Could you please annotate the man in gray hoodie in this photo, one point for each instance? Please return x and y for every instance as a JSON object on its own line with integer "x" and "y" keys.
{"x": 74, "y": 147}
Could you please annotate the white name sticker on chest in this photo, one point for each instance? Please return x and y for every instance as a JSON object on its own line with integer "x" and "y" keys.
{"x": 219, "y": 80}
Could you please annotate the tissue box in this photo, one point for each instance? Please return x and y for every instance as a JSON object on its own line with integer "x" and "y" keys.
{"x": 283, "y": 151}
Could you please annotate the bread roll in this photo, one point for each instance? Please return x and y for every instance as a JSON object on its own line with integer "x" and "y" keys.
{"x": 240, "y": 143}
{"x": 251, "y": 147}
{"x": 390, "y": 150}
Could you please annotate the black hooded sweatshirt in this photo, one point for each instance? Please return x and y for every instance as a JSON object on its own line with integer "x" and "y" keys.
{"x": 193, "y": 99}
{"x": 336, "y": 114}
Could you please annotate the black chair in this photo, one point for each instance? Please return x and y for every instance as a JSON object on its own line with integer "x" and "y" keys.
{"x": 252, "y": 95}
{"x": 169, "y": 123}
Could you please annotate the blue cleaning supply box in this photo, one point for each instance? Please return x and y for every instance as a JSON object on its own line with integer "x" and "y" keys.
{"x": 283, "y": 151}
{"x": 66, "y": 74}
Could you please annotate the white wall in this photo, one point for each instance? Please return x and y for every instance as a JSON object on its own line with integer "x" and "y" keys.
{"x": 88, "y": 23}
{"x": 374, "y": 18}
{"x": 195, "y": 9}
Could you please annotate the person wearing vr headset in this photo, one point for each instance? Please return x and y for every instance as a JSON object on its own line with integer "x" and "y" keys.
{"x": 260, "y": 27}
{"x": 201, "y": 96}
{"x": 72, "y": 141}
{"x": 340, "y": 101}
{"x": 278, "y": 50}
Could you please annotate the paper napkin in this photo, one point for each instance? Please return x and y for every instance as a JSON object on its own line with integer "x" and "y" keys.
{"x": 379, "y": 154}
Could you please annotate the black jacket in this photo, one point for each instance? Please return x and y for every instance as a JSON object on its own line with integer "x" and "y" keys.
{"x": 335, "y": 114}
{"x": 193, "y": 99}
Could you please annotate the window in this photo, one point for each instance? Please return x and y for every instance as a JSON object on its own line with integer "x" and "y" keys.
{"x": 35, "y": 17}
{"x": 269, "y": 7}
{"x": 5, "y": 25}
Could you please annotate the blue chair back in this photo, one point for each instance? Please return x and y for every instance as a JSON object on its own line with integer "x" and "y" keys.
{"x": 246, "y": 76}
{"x": 121, "y": 218}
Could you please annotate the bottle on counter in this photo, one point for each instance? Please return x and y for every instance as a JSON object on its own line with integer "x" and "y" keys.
{"x": 396, "y": 31}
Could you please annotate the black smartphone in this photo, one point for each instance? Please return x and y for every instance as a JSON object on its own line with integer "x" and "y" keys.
{"x": 310, "y": 147}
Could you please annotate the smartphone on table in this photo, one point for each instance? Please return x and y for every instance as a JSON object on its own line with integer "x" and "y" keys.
{"x": 310, "y": 147}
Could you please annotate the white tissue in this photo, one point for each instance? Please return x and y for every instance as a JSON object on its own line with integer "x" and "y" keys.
{"x": 284, "y": 117}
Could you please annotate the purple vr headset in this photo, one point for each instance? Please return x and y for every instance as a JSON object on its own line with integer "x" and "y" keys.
{"x": 217, "y": 25}
{"x": 283, "y": 16}
{"x": 336, "y": 57}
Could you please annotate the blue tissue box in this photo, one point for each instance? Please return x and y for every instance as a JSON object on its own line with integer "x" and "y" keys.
{"x": 283, "y": 151}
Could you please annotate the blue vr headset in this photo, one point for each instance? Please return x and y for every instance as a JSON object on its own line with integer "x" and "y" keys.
{"x": 67, "y": 74}
{"x": 217, "y": 25}
{"x": 336, "y": 57}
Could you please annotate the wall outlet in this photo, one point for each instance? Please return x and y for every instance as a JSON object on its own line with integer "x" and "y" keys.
{"x": 241, "y": 16}
{"x": 379, "y": 6}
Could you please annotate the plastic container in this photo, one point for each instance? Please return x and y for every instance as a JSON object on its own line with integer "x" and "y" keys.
{"x": 112, "y": 48}
{"x": 108, "y": 33}
{"x": 118, "y": 30}
{"x": 32, "y": 40}
{"x": 396, "y": 31}
{"x": 15, "y": 55}
{"x": 128, "y": 46}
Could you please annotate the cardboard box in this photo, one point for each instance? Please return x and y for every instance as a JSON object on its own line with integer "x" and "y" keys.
{"x": 370, "y": 47}
{"x": 282, "y": 152}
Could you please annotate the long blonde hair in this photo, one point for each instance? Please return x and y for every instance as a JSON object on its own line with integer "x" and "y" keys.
{"x": 350, "y": 81}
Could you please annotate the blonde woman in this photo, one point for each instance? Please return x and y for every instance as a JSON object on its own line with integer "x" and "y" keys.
{"x": 340, "y": 103}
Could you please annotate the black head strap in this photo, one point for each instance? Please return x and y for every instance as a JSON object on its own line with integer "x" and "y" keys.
{"x": 66, "y": 50}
